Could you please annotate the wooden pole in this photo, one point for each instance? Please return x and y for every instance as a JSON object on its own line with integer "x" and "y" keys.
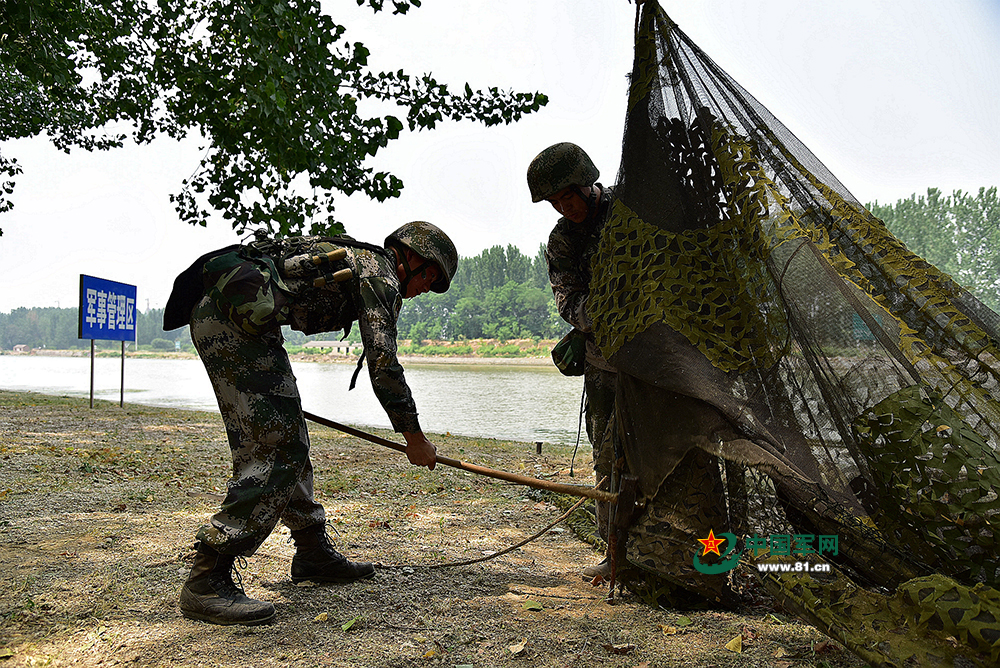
{"x": 560, "y": 488}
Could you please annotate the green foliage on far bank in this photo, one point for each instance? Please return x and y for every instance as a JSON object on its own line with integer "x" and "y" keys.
{"x": 499, "y": 294}
{"x": 959, "y": 234}
{"x": 504, "y": 294}
{"x": 57, "y": 328}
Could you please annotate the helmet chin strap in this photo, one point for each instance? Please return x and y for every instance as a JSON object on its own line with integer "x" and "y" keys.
{"x": 409, "y": 273}
{"x": 591, "y": 198}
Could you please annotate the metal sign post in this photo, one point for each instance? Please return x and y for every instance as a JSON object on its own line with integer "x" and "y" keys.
{"x": 107, "y": 312}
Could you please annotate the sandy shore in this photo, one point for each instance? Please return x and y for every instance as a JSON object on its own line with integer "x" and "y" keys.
{"x": 323, "y": 359}
{"x": 503, "y": 361}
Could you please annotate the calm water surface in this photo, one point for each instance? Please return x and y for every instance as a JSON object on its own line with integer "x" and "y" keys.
{"x": 522, "y": 403}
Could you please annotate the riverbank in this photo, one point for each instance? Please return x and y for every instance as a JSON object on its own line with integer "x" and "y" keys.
{"x": 98, "y": 508}
{"x": 477, "y": 352}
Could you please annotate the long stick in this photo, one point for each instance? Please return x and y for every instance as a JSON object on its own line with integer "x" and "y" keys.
{"x": 575, "y": 490}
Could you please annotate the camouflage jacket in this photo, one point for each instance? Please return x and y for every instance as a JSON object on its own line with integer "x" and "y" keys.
{"x": 568, "y": 254}
{"x": 371, "y": 297}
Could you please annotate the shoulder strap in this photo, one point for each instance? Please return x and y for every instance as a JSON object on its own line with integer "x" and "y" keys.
{"x": 357, "y": 370}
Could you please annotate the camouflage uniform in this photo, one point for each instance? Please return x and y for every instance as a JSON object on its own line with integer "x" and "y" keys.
{"x": 568, "y": 254}
{"x": 250, "y": 293}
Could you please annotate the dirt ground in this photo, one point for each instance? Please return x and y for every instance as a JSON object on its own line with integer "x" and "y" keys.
{"x": 98, "y": 508}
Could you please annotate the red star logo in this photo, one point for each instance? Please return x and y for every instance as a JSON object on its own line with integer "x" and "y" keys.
{"x": 711, "y": 543}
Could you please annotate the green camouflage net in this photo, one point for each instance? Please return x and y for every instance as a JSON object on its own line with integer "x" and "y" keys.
{"x": 639, "y": 258}
{"x": 943, "y": 476}
{"x": 841, "y": 384}
{"x": 928, "y": 621}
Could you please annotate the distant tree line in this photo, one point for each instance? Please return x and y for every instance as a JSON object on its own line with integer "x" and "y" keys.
{"x": 499, "y": 294}
{"x": 503, "y": 294}
{"x": 959, "y": 234}
{"x": 57, "y": 328}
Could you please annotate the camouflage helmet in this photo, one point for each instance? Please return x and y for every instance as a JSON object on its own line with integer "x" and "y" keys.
{"x": 430, "y": 243}
{"x": 557, "y": 167}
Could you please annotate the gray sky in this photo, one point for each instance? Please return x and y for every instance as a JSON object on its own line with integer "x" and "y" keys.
{"x": 894, "y": 97}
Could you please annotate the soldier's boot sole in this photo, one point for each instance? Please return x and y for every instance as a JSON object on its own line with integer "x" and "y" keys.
{"x": 232, "y": 609}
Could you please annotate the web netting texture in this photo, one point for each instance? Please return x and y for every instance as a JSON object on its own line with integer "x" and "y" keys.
{"x": 759, "y": 313}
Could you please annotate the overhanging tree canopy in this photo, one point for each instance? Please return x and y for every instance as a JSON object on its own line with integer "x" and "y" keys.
{"x": 273, "y": 86}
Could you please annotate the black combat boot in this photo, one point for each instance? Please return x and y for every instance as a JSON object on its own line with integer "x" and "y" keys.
{"x": 317, "y": 561}
{"x": 210, "y": 595}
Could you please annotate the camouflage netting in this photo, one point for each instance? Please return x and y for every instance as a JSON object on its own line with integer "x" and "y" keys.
{"x": 830, "y": 381}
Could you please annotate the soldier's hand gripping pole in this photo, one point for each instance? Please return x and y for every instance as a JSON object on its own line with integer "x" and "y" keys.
{"x": 560, "y": 488}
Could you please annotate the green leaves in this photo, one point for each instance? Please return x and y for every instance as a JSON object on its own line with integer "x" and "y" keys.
{"x": 959, "y": 234}
{"x": 393, "y": 127}
{"x": 271, "y": 85}
{"x": 499, "y": 293}
{"x": 429, "y": 102}
{"x": 401, "y": 6}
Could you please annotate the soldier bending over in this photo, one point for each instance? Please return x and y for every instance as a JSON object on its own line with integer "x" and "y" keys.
{"x": 235, "y": 301}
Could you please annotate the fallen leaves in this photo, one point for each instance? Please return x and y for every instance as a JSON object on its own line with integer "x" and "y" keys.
{"x": 627, "y": 648}
{"x": 324, "y": 617}
{"x": 830, "y": 647}
{"x": 747, "y": 635}
{"x": 519, "y": 648}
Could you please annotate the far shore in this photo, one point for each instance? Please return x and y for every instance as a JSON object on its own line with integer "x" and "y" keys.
{"x": 306, "y": 357}
{"x": 511, "y": 361}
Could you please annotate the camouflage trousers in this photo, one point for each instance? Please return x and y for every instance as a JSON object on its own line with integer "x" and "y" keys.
{"x": 600, "y": 388}
{"x": 272, "y": 475}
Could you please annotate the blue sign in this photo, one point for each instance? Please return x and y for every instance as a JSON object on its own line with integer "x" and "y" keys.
{"x": 107, "y": 310}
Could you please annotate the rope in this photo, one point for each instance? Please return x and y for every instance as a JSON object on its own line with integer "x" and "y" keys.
{"x": 579, "y": 430}
{"x": 502, "y": 552}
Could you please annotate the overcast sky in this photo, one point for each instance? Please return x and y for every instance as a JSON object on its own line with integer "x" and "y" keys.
{"x": 894, "y": 97}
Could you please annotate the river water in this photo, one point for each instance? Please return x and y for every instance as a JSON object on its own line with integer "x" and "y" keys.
{"x": 509, "y": 402}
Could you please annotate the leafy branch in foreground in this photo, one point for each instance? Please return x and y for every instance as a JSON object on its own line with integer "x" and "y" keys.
{"x": 273, "y": 87}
